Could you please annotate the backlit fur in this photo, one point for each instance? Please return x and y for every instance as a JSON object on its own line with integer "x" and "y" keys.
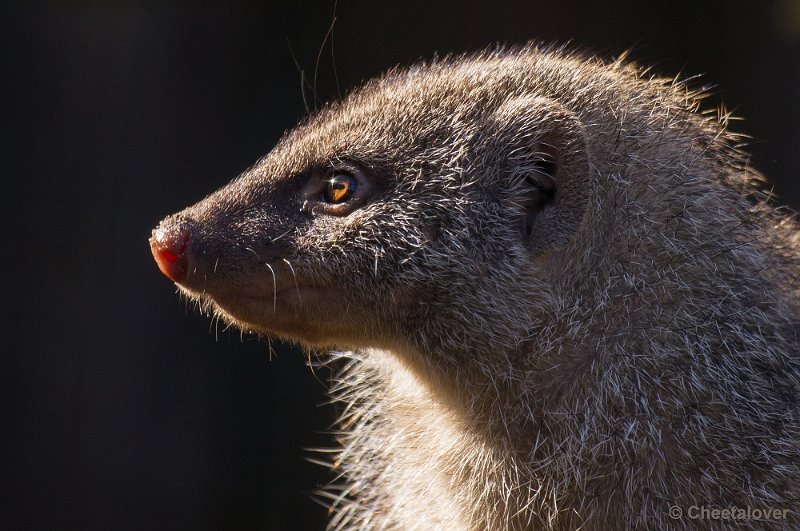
{"x": 637, "y": 350}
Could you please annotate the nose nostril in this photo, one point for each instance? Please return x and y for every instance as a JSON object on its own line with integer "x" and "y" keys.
{"x": 168, "y": 245}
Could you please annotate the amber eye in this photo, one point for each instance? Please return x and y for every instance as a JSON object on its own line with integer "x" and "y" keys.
{"x": 340, "y": 188}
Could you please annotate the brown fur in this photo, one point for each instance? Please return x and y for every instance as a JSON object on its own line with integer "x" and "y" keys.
{"x": 564, "y": 303}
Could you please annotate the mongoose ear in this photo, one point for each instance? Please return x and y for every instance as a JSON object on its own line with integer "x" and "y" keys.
{"x": 540, "y": 147}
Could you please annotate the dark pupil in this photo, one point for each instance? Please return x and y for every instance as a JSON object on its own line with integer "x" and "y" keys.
{"x": 340, "y": 187}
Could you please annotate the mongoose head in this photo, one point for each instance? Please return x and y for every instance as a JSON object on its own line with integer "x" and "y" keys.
{"x": 433, "y": 203}
{"x": 376, "y": 214}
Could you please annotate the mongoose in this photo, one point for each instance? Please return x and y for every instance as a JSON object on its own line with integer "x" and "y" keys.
{"x": 560, "y": 298}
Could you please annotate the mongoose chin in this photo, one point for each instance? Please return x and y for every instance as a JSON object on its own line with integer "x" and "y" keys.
{"x": 564, "y": 302}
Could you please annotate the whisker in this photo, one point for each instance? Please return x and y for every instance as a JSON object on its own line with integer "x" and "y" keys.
{"x": 295, "y": 280}
{"x": 274, "y": 288}
{"x": 276, "y": 238}
{"x": 303, "y": 81}
{"x": 328, "y": 35}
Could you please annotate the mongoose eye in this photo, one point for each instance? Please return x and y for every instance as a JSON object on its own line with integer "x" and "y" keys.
{"x": 340, "y": 188}
{"x": 337, "y": 190}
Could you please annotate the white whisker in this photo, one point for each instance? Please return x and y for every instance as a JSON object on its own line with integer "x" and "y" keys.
{"x": 274, "y": 288}
{"x": 295, "y": 280}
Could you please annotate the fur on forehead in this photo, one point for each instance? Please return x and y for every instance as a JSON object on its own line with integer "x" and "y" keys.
{"x": 392, "y": 117}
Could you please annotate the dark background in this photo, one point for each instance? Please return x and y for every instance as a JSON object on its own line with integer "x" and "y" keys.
{"x": 121, "y": 407}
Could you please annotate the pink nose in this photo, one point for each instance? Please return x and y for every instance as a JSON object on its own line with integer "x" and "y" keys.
{"x": 168, "y": 245}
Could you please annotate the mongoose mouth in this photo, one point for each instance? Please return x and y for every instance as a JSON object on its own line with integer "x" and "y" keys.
{"x": 289, "y": 311}
{"x": 288, "y": 297}
{"x": 268, "y": 302}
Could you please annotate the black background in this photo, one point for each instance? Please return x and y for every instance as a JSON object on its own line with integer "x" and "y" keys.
{"x": 121, "y": 407}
